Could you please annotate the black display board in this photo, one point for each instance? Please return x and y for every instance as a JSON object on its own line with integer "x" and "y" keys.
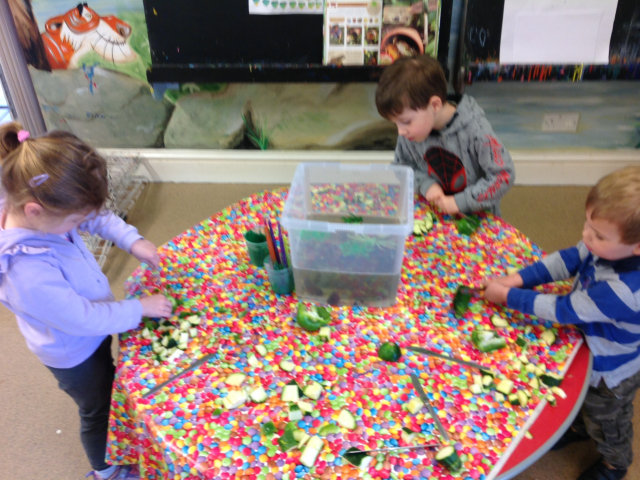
{"x": 212, "y": 41}
{"x": 483, "y": 30}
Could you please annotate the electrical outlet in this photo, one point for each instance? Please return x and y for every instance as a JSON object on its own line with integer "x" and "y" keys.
{"x": 561, "y": 122}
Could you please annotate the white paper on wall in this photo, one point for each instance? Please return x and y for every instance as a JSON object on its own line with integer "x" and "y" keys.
{"x": 557, "y": 31}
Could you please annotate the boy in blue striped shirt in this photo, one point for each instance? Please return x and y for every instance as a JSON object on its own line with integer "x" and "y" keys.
{"x": 605, "y": 306}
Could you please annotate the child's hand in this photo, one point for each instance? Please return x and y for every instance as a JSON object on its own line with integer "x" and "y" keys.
{"x": 146, "y": 252}
{"x": 448, "y": 205}
{"x": 157, "y": 306}
{"x": 496, "y": 293}
{"x": 513, "y": 280}
{"x": 434, "y": 193}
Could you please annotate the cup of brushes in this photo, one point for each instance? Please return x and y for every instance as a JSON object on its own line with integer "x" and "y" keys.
{"x": 277, "y": 263}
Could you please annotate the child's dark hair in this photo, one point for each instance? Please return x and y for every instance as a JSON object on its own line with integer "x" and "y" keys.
{"x": 70, "y": 175}
{"x": 410, "y": 82}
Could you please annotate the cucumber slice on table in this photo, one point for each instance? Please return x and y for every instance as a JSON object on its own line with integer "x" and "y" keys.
{"x": 548, "y": 337}
{"x": 261, "y": 349}
{"x": 354, "y": 456}
{"x": 448, "y": 457}
{"x": 235, "y": 379}
{"x": 313, "y": 390}
{"x": 499, "y": 322}
{"x": 551, "y": 379}
{"x": 234, "y": 399}
{"x": 290, "y": 393}
{"x": 287, "y": 366}
{"x": 505, "y": 386}
{"x": 259, "y": 395}
{"x": 346, "y": 420}
{"x": 414, "y": 405}
{"x": 295, "y": 413}
{"x": 311, "y": 451}
{"x": 408, "y": 436}
{"x": 487, "y": 340}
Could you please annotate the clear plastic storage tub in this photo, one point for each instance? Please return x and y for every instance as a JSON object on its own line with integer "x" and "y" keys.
{"x": 335, "y": 259}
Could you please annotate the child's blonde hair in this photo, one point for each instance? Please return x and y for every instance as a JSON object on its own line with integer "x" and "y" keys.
{"x": 616, "y": 198}
{"x": 70, "y": 176}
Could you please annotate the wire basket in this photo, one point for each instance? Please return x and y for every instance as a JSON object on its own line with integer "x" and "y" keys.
{"x": 124, "y": 190}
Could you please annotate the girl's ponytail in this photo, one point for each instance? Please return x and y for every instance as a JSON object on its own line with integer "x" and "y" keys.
{"x": 9, "y": 138}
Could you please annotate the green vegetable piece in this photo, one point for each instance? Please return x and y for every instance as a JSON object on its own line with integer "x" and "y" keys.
{"x": 352, "y": 219}
{"x": 390, "y": 352}
{"x": 328, "y": 429}
{"x": 461, "y": 300}
{"x": 468, "y": 225}
{"x": 312, "y": 318}
{"x": 268, "y": 428}
{"x": 354, "y": 456}
{"x": 487, "y": 340}
{"x": 448, "y": 457}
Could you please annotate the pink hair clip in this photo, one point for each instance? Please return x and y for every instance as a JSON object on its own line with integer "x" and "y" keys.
{"x": 23, "y": 135}
{"x": 38, "y": 180}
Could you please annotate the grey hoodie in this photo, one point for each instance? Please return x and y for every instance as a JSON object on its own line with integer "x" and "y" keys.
{"x": 61, "y": 298}
{"x": 465, "y": 158}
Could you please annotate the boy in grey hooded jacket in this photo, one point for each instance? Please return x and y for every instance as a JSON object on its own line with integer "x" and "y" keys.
{"x": 459, "y": 163}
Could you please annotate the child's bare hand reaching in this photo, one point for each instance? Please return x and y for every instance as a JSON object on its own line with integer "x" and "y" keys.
{"x": 157, "y": 306}
{"x": 497, "y": 288}
{"x": 434, "y": 193}
{"x": 448, "y": 205}
{"x": 145, "y": 251}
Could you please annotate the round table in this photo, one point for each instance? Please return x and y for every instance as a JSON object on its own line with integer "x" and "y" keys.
{"x": 182, "y": 430}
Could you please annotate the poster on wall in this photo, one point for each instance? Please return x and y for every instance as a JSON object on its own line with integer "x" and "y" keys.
{"x": 370, "y": 32}
{"x": 288, "y": 7}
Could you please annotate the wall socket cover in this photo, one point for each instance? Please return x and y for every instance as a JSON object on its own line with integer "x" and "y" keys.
{"x": 560, "y": 122}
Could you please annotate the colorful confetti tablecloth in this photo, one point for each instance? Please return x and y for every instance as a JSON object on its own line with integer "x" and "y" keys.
{"x": 184, "y": 431}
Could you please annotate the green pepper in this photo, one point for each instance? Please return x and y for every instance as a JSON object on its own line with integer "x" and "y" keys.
{"x": 352, "y": 219}
{"x": 468, "y": 225}
{"x": 268, "y": 428}
{"x": 312, "y": 318}
{"x": 487, "y": 340}
{"x": 461, "y": 300}
{"x": 354, "y": 456}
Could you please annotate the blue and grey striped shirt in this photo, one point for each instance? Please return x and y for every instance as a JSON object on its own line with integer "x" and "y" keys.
{"x": 604, "y": 304}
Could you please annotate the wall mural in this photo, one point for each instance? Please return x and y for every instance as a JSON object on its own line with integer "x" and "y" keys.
{"x": 88, "y": 63}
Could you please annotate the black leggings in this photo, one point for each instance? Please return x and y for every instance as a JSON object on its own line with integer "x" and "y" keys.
{"x": 89, "y": 384}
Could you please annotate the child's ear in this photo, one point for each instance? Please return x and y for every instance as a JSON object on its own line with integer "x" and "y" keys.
{"x": 435, "y": 102}
{"x": 33, "y": 209}
{"x": 636, "y": 250}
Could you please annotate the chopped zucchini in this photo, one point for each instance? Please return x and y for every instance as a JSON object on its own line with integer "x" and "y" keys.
{"x": 534, "y": 383}
{"x": 354, "y": 456}
{"x": 311, "y": 451}
{"x": 408, "y": 436}
{"x": 253, "y": 360}
{"x": 551, "y": 379}
{"x": 499, "y": 397}
{"x": 305, "y": 407}
{"x": 261, "y": 349}
{"x": 521, "y": 341}
{"x": 475, "y": 389}
{"x": 259, "y": 394}
{"x": 415, "y": 405}
{"x": 487, "y": 382}
{"x": 313, "y": 390}
{"x": 499, "y": 322}
{"x": 346, "y": 420}
{"x": 548, "y": 337}
{"x": 325, "y": 332}
{"x": 295, "y": 413}
{"x": 288, "y": 441}
{"x": 558, "y": 392}
{"x": 290, "y": 393}
{"x": 287, "y": 366}
{"x": 522, "y": 396}
{"x": 328, "y": 429}
{"x": 234, "y": 399}
{"x": 513, "y": 399}
{"x": 235, "y": 379}
{"x": 448, "y": 457}
{"x": 505, "y": 386}
{"x": 552, "y": 400}
{"x": 304, "y": 438}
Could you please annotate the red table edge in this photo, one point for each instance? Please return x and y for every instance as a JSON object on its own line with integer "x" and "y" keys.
{"x": 528, "y": 452}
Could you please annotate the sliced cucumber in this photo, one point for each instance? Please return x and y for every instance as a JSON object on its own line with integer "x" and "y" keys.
{"x": 346, "y": 420}
{"x": 513, "y": 399}
{"x": 325, "y": 332}
{"x": 528, "y": 435}
{"x": 235, "y": 379}
{"x": 499, "y": 397}
{"x": 499, "y": 322}
{"x": 311, "y": 451}
{"x": 290, "y": 393}
{"x": 548, "y": 337}
{"x": 521, "y": 341}
{"x": 305, "y": 406}
{"x": 523, "y": 358}
{"x": 287, "y": 366}
{"x": 261, "y": 349}
{"x": 505, "y": 386}
{"x": 448, "y": 457}
{"x": 487, "y": 382}
{"x": 304, "y": 438}
{"x": 355, "y": 456}
{"x": 522, "y": 396}
{"x": 234, "y": 399}
{"x": 415, "y": 405}
{"x": 530, "y": 368}
{"x": 193, "y": 332}
{"x": 288, "y": 441}
{"x": 551, "y": 379}
{"x": 328, "y": 429}
{"x": 146, "y": 333}
{"x": 259, "y": 394}
{"x": 313, "y": 390}
{"x": 268, "y": 428}
{"x": 475, "y": 389}
{"x": 253, "y": 360}
{"x": 516, "y": 365}
{"x": 552, "y": 400}
{"x": 193, "y": 320}
{"x": 528, "y": 329}
{"x": 534, "y": 383}
{"x": 185, "y": 325}
{"x": 295, "y": 413}
{"x": 558, "y": 392}
{"x": 408, "y": 436}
